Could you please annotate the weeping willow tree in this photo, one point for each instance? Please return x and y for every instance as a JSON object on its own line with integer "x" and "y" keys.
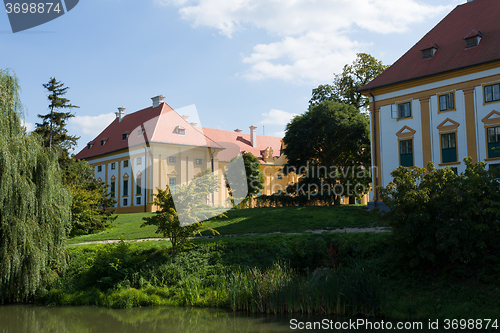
{"x": 34, "y": 205}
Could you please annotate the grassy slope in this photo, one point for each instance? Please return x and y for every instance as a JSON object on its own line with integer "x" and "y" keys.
{"x": 243, "y": 221}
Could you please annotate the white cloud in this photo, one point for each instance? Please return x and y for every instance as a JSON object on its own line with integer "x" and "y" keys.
{"x": 29, "y": 126}
{"x": 311, "y": 35}
{"x": 90, "y": 125}
{"x": 279, "y": 134}
{"x": 277, "y": 117}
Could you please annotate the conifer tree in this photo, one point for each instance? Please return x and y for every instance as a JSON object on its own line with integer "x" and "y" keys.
{"x": 34, "y": 204}
{"x": 53, "y": 128}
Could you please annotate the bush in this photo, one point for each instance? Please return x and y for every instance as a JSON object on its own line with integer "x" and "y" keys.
{"x": 439, "y": 217}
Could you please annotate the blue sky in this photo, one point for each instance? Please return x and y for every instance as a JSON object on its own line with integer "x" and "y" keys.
{"x": 237, "y": 62}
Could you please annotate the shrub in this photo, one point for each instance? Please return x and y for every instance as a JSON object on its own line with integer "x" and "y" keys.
{"x": 440, "y": 217}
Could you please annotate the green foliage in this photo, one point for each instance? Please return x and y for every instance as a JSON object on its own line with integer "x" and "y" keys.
{"x": 188, "y": 201}
{"x": 34, "y": 204}
{"x": 53, "y": 128}
{"x": 329, "y": 144}
{"x": 254, "y": 177}
{"x": 439, "y": 217}
{"x": 89, "y": 213}
{"x": 346, "y": 85}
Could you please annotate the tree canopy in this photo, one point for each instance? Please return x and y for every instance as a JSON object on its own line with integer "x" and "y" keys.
{"x": 329, "y": 146}
{"x": 53, "y": 128}
{"x": 34, "y": 203}
{"x": 346, "y": 85}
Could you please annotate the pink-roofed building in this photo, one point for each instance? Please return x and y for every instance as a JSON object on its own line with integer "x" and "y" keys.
{"x": 154, "y": 147}
{"x": 440, "y": 101}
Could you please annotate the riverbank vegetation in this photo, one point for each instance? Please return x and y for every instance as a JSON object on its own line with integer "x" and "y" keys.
{"x": 342, "y": 274}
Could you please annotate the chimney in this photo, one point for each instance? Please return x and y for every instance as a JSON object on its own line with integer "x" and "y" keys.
{"x": 157, "y": 100}
{"x": 185, "y": 117}
{"x": 120, "y": 114}
{"x": 193, "y": 124}
{"x": 253, "y": 136}
{"x": 238, "y": 130}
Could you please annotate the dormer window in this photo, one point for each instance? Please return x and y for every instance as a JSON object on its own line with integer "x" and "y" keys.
{"x": 103, "y": 141}
{"x": 89, "y": 145}
{"x": 180, "y": 130}
{"x": 473, "y": 39}
{"x": 125, "y": 136}
{"x": 429, "y": 51}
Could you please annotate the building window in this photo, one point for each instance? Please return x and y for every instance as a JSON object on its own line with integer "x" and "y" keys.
{"x": 448, "y": 147}
{"x": 138, "y": 200}
{"x": 280, "y": 176}
{"x": 138, "y": 161}
{"x": 199, "y": 161}
{"x": 89, "y": 145}
{"x": 181, "y": 131}
{"x": 99, "y": 168}
{"x": 125, "y": 164}
{"x": 406, "y": 153}
{"x": 172, "y": 181}
{"x": 447, "y": 102}
{"x": 125, "y": 187}
{"x": 103, "y": 142}
{"x": 113, "y": 166}
{"x": 172, "y": 159}
{"x": 112, "y": 190}
{"x": 125, "y": 136}
{"x": 140, "y": 132}
{"x": 342, "y": 199}
{"x": 404, "y": 110}
{"x": 428, "y": 53}
{"x": 472, "y": 41}
{"x": 455, "y": 170}
{"x": 358, "y": 201}
{"x": 493, "y": 134}
{"x": 138, "y": 188}
{"x": 125, "y": 202}
{"x": 492, "y": 93}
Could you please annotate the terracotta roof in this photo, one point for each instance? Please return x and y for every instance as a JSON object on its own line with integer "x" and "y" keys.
{"x": 479, "y": 17}
{"x": 159, "y": 123}
{"x": 235, "y": 143}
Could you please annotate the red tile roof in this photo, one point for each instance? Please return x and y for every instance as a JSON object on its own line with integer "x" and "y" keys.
{"x": 232, "y": 141}
{"x": 161, "y": 124}
{"x": 480, "y": 15}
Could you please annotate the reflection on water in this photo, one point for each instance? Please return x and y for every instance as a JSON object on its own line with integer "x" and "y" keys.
{"x": 87, "y": 319}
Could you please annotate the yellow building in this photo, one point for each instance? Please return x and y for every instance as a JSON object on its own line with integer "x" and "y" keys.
{"x": 148, "y": 149}
{"x": 440, "y": 101}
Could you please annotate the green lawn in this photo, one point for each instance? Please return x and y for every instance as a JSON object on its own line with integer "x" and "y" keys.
{"x": 244, "y": 221}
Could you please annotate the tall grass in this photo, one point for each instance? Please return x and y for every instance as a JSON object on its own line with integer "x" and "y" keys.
{"x": 280, "y": 289}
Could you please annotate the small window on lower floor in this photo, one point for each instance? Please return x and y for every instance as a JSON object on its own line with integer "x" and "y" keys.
{"x": 113, "y": 166}
{"x": 138, "y": 200}
{"x": 495, "y": 169}
{"x": 172, "y": 181}
{"x": 280, "y": 176}
{"x": 99, "y": 168}
{"x": 493, "y": 135}
{"x": 406, "y": 153}
{"x": 199, "y": 161}
{"x": 342, "y": 199}
{"x": 448, "y": 147}
{"x": 125, "y": 202}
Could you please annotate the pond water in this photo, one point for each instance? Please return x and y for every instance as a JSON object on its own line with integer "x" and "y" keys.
{"x": 87, "y": 319}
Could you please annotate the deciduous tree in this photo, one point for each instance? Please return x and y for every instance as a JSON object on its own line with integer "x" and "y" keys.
{"x": 34, "y": 204}
{"x": 345, "y": 85}
{"x": 329, "y": 147}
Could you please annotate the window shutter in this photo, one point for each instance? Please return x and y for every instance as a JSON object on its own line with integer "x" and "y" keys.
{"x": 394, "y": 111}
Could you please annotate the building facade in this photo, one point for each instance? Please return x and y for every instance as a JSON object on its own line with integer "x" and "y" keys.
{"x": 440, "y": 101}
{"x": 149, "y": 149}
